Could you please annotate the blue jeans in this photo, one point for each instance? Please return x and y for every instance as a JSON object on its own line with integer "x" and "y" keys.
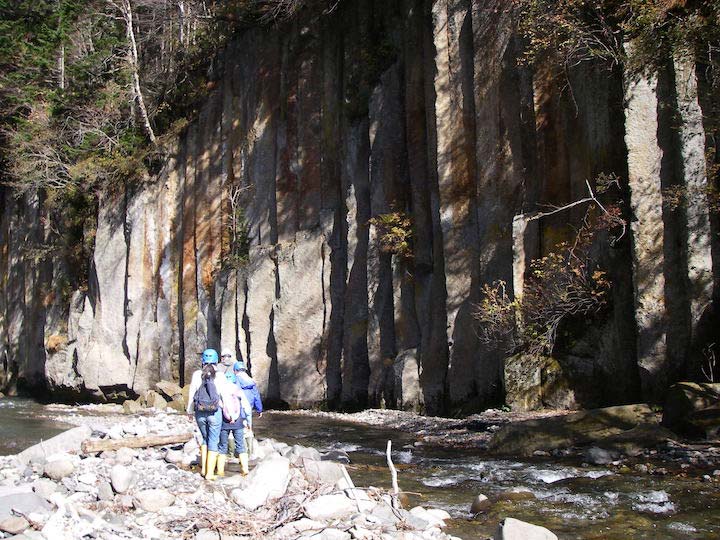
{"x": 238, "y": 435}
{"x": 209, "y": 424}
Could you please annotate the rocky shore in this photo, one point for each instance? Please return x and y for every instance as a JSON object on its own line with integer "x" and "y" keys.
{"x": 155, "y": 493}
{"x": 55, "y": 490}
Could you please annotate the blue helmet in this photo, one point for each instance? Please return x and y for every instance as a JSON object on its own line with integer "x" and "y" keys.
{"x": 209, "y": 356}
{"x": 239, "y": 366}
{"x": 231, "y": 377}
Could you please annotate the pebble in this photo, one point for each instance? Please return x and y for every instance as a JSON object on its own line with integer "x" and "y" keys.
{"x": 14, "y": 525}
{"x": 105, "y": 491}
{"x": 87, "y": 478}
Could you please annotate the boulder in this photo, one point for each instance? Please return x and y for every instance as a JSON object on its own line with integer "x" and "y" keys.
{"x": 24, "y": 503}
{"x": 69, "y": 441}
{"x": 153, "y": 500}
{"x": 302, "y": 452}
{"x": 154, "y": 400}
{"x": 174, "y": 456}
{"x": 332, "y": 534}
{"x": 14, "y": 525}
{"x": 514, "y": 529}
{"x": 480, "y": 504}
{"x": 684, "y": 399}
{"x": 57, "y": 469}
{"x": 124, "y": 455}
{"x": 44, "y": 488}
{"x": 186, "y": 393}
{"x": 328, "y": 507}
{"x": 169, "y": 390}
{"x": 323, "y": 472}
{"x": 598, "y": 456}
{"x": 121, "y": 478}
{"x": 130, "y": 406}
{"x": 707, "y": 420}
{"x": 267, "y": 481}
{"x": 533, "y": 382}
{"x": 576, "y": 429}
{"x": 178, "y": 406}
{"x": 336, "y": 455}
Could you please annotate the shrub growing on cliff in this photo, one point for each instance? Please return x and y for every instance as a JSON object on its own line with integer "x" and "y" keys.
{"x": 574, "y": 31}
{"x": 562, "y": 285}
{"x": 394, "y": 232}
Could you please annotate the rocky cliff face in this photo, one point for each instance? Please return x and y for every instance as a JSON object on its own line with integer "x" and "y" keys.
{"x": 314, "y": 132}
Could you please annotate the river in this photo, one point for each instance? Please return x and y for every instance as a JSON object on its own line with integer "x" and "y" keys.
{"x": 571, "y": 500}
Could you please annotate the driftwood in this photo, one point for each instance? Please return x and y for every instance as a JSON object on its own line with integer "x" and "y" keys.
{"x": 92, "y": 446}
{"x": 393, "y": 470}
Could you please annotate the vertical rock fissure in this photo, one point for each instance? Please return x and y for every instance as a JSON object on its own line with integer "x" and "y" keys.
{"x": 674, "y": 216}
{"x": 127, "y": 226}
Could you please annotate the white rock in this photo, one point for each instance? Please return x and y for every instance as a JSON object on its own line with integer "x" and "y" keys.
{"x": 87, "y": 478}
{"x": 125, "y": 456}
{"x": 328, "y": 507}
{"x": 121, "y": 478}
{"x": 153, "y": 500}
{"x": 514, "y": 529}
{"x": 323, "y": 472}
{"x": 207, "y": 534}
{"x": 432, "y": 518}
{"x": 44, "y": 487}
{"x": 439, "y": 514}
{"x": 191, "y": 447}
{"x": 268, "y": 480}
{"x": 174, "y": 456}
{"x": 331, "y": 534}
{"x": 116, "y": 432}
{"x": 58, "y": 469}
{"x": 360, "y": 533}
{"x": 68, "y": 441}
{"x": 105, "y": 491}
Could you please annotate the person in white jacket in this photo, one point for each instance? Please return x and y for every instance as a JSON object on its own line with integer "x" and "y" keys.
{"x": 205, "y": 400}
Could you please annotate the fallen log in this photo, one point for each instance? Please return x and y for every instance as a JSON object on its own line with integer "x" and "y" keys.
{"x": 92, "y": 446}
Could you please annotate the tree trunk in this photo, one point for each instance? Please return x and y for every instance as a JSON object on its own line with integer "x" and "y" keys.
{"x": 135, "y": 68}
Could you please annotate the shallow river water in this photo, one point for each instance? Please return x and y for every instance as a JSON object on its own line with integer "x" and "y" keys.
{"x": 571, "y": 500}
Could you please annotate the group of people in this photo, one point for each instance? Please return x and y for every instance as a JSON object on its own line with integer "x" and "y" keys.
{"x": 223, "y": 397}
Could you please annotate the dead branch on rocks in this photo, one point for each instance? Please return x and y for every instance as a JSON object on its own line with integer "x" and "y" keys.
{"x": 92, "y": 446}
{"x": 393, "y": 474}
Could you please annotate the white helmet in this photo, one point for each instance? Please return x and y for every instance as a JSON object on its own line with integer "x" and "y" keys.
{"x": 227, "y": 357}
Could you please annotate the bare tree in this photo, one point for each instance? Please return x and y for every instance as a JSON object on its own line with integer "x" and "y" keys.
{"x": 124, "y": 7}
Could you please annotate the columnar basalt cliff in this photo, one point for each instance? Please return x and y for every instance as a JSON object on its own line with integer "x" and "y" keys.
{"x": 312, "y": 133}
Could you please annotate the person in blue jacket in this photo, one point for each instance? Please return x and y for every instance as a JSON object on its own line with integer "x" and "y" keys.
{"x": 246, "y": 382}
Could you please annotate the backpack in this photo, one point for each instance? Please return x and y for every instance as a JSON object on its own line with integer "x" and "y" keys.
{"x": 206, "y": 397}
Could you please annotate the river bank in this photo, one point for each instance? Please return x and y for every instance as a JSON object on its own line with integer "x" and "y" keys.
{"x": 157, "y": 493}
{"x": 566, "y": 494}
